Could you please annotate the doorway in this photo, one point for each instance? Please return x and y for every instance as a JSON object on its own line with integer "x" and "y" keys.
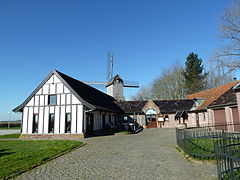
{"x": 151, "y": 118}
{"x": 89, "y": 118}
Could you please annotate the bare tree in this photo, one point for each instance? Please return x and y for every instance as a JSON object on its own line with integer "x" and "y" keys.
{"x": 143, "y": 94}
{"x": 170, "y": 84}
{"x": 229, "y": 55}
{"x": 218, "y": 73}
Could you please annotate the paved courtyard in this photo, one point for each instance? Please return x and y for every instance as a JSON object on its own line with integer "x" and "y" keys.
{"x": 9, "y": 131}
{"x": 151, "y": 154}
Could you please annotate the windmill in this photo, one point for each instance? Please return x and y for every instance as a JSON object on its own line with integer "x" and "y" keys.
{"x": 115, "y": 84}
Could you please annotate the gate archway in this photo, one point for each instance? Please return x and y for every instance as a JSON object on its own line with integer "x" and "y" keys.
{"x": 151, "y": 118}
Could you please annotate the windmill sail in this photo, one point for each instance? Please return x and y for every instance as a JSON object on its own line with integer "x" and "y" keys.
{"x": 115, "y": 84}
{"x": 134, "y": 84}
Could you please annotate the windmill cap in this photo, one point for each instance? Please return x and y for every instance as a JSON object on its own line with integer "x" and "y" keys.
{"x": 114, "y": 79}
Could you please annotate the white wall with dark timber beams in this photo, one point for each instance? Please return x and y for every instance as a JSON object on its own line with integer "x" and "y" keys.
{"x": 66, "y": 103}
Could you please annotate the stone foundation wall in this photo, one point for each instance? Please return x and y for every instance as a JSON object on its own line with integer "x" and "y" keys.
{"x": 52, "y": 136}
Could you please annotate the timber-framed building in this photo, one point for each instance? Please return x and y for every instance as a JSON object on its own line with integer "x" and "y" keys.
{"x": 64, "y": 107}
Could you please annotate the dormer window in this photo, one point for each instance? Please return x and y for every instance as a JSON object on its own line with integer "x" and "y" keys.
{"x": 52, "y": 99}
{"x": 197, "y": 102}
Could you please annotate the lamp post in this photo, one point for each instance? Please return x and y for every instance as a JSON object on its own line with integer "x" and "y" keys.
{"x": 9, "y": 118}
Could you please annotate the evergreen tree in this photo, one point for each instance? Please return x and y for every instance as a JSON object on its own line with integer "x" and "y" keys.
{"x": 193, "y": 74}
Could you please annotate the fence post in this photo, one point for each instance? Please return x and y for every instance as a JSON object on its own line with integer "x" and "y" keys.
{"x": 177, "y": 138}
{"x": 232, "y": 169}
{"x": 224, "y": 145}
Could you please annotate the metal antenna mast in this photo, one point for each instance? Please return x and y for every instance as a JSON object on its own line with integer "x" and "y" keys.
{"x": 114, "y": 84}
{"x": 110, "y": 57}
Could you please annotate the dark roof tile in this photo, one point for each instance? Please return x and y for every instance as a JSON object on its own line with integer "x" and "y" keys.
{"x": 165, "y": 106}
{"x": 172, "y": 106}
{"x": 132, "y": 106}
{"x": 228, "y": 97}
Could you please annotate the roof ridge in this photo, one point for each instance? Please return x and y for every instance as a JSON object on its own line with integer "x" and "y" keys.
{"x": 234, "y": 82}
{"x": 83, "y": 83}
{"x": 171, "y": 99}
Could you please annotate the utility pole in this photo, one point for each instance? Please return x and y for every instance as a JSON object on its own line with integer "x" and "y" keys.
{"x": 9, "y": 119}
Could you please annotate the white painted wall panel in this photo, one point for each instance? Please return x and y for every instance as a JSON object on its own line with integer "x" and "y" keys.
{"x": 35, "y": 110}
{"x": 68, "y": 96}
{"x": 31, "y": 102}
{"x": 106, "y": 118}
{"x": 80, "y": 119}
{"x": 66, "y": 90}
{"x": 94, "y": 121}
{"x": 52, "y": 89}
{"x": 84, "y": 121}
{"x": 97, "y": 123}
{"x": 45, "y": 89}
{"x": 46, "y": 118}
{"x": 60, "y": 88}
{"x": 46, "y": 100}
{"x": 110, "y": 117}
{"x": 56, "y": 79}
{"x": 40, "y": 123}
{"x": 62, "y": 119}
{"x": 75, "y": 100}
{"x": 30, "y": 120}
{"x": 68, "y": 109}
{"x": 113, "y": 119}
{"x": 36, "y": 101}
{"x": 39, "y": 91}
{"x": 51, "y": 109}
{"x": 41, "y": 100}
{"x": 50, "y": 80}
{"x": 58, "y": 99}
{"x": 74, "y": 119}
{"x": 25, "y": 120}
{"x": 63, "y": 99}
{"x": 101, "y": 120}
{"x": 57, "y": 120}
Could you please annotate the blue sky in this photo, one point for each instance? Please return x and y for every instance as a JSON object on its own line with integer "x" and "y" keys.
{"x": 74, "y": 36}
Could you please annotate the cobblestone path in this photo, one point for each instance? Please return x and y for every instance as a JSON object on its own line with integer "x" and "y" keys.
{"x": 151, "y": 154}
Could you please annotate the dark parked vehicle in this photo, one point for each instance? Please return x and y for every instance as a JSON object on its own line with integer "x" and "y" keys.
{"x": 134, "y": 127}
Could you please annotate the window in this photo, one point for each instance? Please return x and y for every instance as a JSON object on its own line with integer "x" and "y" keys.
{"x": 125, "y": 118}
{"x": 68, "y": 123}
{"x": 52, "y": 99}
{"x": 51, "y": 123}
{"x": 197, "y": 102}
{"x": 35, "y": 123}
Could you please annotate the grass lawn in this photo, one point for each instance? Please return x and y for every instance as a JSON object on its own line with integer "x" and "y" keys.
{"x": 10, "y": 136}
{"x": 123, "y": 132}
{"x": 200, "y": 148}
{"x": 20, "y": 155}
